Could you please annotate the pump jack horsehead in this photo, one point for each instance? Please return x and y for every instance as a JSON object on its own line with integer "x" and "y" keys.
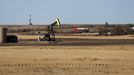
{"x": 50, "y": 36}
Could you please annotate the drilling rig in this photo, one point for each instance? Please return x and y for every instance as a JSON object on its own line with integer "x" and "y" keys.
{"x": 50, "y": 35}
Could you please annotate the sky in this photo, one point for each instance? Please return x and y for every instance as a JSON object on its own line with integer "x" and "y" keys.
{"x": 69, "y": 11}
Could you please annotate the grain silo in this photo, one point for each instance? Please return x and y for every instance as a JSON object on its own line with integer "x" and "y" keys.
{"x": 3, "y": 35}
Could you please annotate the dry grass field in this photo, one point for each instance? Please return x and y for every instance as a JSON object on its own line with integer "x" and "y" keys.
{"x": 73, "y": 55}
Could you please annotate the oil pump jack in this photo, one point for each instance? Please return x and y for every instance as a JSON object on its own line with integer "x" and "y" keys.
{"x": 50, "y": 36}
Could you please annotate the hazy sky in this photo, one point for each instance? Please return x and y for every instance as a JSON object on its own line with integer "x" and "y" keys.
{"x": 69, "y": 11}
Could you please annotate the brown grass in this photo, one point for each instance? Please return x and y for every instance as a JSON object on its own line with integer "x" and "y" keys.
{"x": 68, "y": 60}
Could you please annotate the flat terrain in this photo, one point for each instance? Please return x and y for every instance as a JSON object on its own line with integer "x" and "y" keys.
{"x": 72, "y": 55}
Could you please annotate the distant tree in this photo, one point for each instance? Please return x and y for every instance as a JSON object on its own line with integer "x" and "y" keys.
{"x": 102, "y": 30}
{"x": 120, "y": 30}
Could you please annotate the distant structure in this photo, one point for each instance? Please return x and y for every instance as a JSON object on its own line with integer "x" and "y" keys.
{"x": 132, "y": 28}
{"x": 3, "y": 34}
{"x": 106, "y": 24}
{"x": 4, "y": 38}
{"x": 80, "y": 30}
{"x": 30, "y": 20}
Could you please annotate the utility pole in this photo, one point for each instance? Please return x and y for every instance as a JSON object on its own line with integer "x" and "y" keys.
{"x": 30, "y": 20}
